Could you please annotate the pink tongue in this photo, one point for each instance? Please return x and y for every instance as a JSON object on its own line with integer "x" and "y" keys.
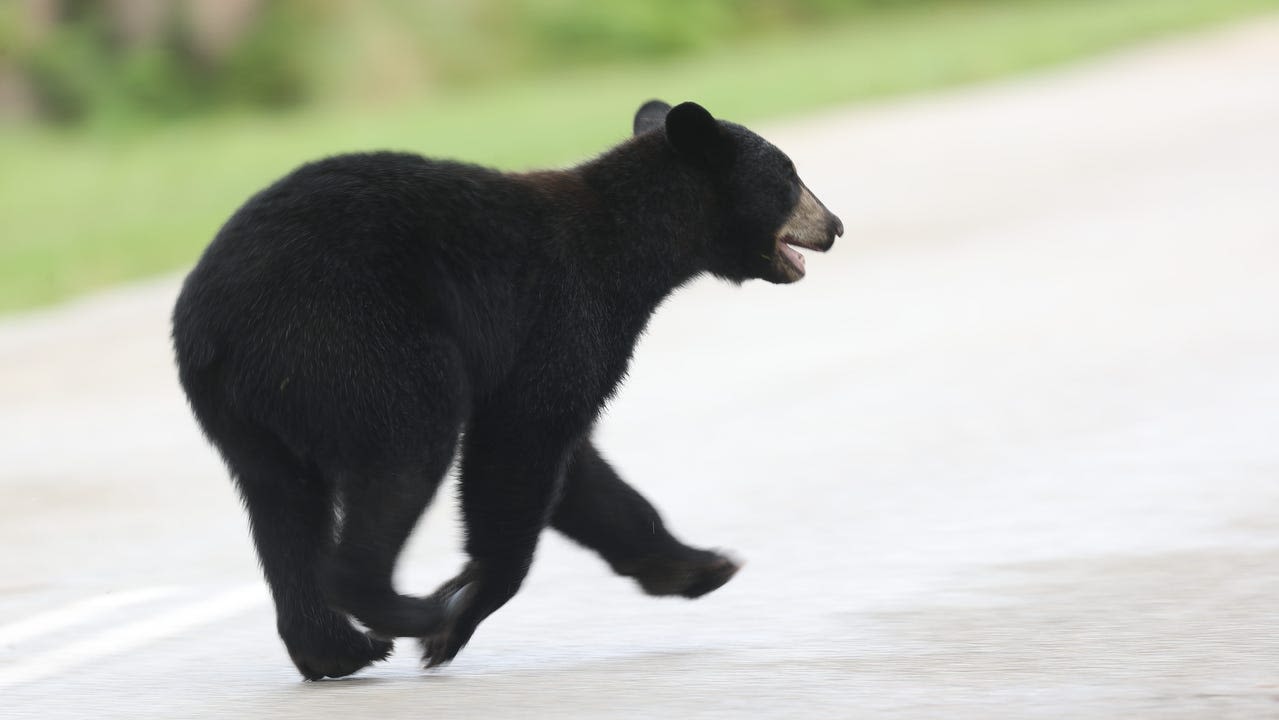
{"x": 794, "y": 257}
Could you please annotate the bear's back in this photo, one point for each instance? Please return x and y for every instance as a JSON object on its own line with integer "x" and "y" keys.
{"x": 380, "y": 212}
{"x": 356, "y": 267}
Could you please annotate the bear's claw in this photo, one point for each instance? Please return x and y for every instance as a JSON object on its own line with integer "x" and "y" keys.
{"x": 685, "y": 577}
{"x": 335, "y": 652}
{"x": 460, "y": 620}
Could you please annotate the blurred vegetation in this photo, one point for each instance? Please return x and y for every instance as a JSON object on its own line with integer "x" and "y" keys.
{"x": 138, "y": 181}
{"x": 118, "y": 60}
{"x": 77, "y": 60}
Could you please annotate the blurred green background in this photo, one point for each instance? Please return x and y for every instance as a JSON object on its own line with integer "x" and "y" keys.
{"x": 129, "y": 129}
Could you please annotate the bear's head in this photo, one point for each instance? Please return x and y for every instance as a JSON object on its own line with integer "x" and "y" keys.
{"x": 765, "y": 210}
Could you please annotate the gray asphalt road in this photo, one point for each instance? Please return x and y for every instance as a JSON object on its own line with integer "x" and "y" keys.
{"x": 1011, "y": 450}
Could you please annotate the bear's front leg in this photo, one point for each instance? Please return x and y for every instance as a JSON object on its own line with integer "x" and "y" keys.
{"x": 598, "y": 510}
{"x": 512, "y": 468}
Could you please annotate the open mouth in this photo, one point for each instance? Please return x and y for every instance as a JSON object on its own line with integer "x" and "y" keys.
{"x": 790, "y": 260}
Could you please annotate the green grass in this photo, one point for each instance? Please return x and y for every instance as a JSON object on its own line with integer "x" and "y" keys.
{"x": 82, "y": 211}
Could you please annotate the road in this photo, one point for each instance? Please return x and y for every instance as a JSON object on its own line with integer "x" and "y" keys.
{"x": 1011, "y": 450}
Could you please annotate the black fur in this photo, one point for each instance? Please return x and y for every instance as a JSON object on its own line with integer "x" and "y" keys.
{"x": 363, "y": 319}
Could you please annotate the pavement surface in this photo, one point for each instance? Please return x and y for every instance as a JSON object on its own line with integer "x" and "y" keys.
{"x": 1011, "y": 450}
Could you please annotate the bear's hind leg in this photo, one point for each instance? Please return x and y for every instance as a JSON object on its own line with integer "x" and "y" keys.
{"x": 380, "y": 509}
{"x": 291, "y": 516}
{"x": 411, "y": 408}
{"x": 598, "y": 510}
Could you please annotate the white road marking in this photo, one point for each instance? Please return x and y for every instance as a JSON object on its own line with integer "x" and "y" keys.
{"x": 134, "y": 635}
{"x": 77, "y": 613}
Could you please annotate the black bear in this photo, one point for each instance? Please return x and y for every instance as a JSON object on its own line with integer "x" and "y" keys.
{"x": 363, "y": 319}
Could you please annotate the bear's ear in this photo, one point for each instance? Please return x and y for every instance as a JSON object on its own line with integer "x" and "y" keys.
{"x": 696, "y": 135}
{"x": 650, "y": 116}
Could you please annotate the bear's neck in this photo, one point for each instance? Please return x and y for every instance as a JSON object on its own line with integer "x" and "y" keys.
{"x": 649, "y": 219}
